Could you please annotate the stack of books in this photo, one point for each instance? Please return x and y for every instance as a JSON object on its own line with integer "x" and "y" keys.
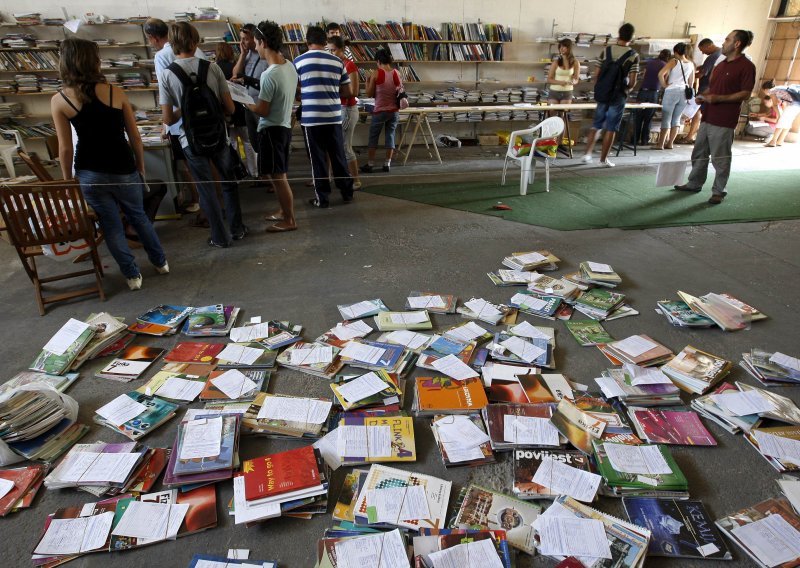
{"x": 376, "y": 388}
{"x": 778, "y": 445}
{"x": 481, "y": 310}
{"x": 542, "y": 306}
{"x": 371, "y": 547}
{"x": 511, "y": 348}
{"x": 25, "y": 483}
{"x": 673, "y": 427}
{"x": 432, "y": 301}
{"x": 362, "y": 309}
{"x": 289, "y": 417}
{"x": 108, "y": 331}
{"x": 707, "y": 407}
{"x": 643, "y": 470}
{"x": 729, "y": 313}
{"x": 211, "y": 321}
{"x": 443, "y": 395}
{"x": 97, "y": 465}
{"x": 374, "y": 356}
{"x": 560, "y": 287}
{"x": 362, "y": 438}
{"x": 638, "y": 350}
{"x": 527, "y": 462}
{"x": 599, "y": 274}
{"x": 161, "y": 320}
{"x": 455, "y": 545}
{"x": 599, "y": 304}
{"x": 205, "y": 450}
{"x": 506, "y": 277}
{"x": 771, "y": 369}
{"x": 511, "y": 426}
{"x": 444, "y": 346}
{"x": 532, "y": 260}
{"x": 317, "y": 359}
{"x": 621, "y": 385}
{"x": 588, "y": 332}
{"x": 235, "y": 384}
{"x": 281, "y": 483}
{"x": 679, "y": 314}
{"x": 57, "y": 382}
{"x": 696, "y": 371}
{"x": 61, "y": 351}
{"x": 134, "y": 415}
{"x": 413, "y": 320}
{"x": 131, "y": 364}
{"x": 462, "y": 440}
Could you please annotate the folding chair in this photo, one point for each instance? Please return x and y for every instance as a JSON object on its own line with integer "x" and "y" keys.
{"x": 552, "y": 127}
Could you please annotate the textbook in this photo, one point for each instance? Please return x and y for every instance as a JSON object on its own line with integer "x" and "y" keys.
{"x": 455, "y": 453}
{"x": 413, "y": 320}
{"x": 209, "y": 321}
{"x": 527, "y": 462}
{"x": 542, "y": 306}
{"x": 481, "y": 310}
{"x": 285, "y": 416}
{"x": 78, "y": 334}
{"x": 161, "y": 320}
{"x": 369, "y": 439}
{"x": 547, "y": 285}
{"x": 759, "y": 363}
{"x": 531, "y": 260}
{"x": 26, "y": 482}
{"x": 499, "y": 416}
{"x": 131, "y": 364}
{"x": 783, "y": 409}
{"x": 156, "y": 412}
{"x": 696, "y": 371}
{"x": 363, "y": 309}
{"x": 618, "y": 383}
{"x": 511, "y": 348}
{"x": 708, "y": 408}
{"x": 259, "y": 380}
{"x": 284, "y": 472}
{"x": 679, "y": 314}
{"x": 599, "y": 273}
{"x": 639, "y": 350}
{"x": 194, "y": 352}
{"x": 443, "y": 395}
{"x": 435, "y": 540}
{"x": 222, "y": 457}
{"x": 588, "y": 332}
{"x": 783, "y": 459}
{"x": 645, "y": 470}
{"x": 238, "y": 355}
{"x": 729, "y": 313}
{"x": 676, "y": 427}
{"x": 316, "y": 359}
{"x": 362, "y": 390}
{"x": 108, "y": 329}
{"x": 431, "y": 301}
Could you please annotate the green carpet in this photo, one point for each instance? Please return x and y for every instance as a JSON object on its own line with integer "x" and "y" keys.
{"x": 627, "y": 202}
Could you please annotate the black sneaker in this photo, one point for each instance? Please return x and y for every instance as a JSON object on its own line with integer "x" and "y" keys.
{"x": 317, "y": 203}
{"x": 211, "y": 243}
{"x": 242, "y": 233}
{"x": 347, "y": 198}
{"x": 385, "y": 168}
{"x": 366, "y": 168}
{"x": 686, "y": 187}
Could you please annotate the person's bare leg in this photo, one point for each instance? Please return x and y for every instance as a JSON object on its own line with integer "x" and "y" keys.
{"x": 352, "y": 167}
{"x": 695, "y": 126}
{"x": 283, "y": 192}
{"x": 673, "y": 134}
{"x": 775, "y": 137}
{"x": 662, "y": 136}
{"x": 608, "y": 141}
{"x": 590, "y": 140}
{"x": 782, "y": 137}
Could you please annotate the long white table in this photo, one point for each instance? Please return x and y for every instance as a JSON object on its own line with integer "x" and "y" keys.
{"x": 418, "y": 119}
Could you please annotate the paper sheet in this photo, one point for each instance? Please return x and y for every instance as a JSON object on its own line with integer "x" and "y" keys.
{"x": 635, "y": 345}
{"x": 73, "y": 25}
{"x": 530, "y": 258}
{"x": 66, "y": 336}
{"x": 409, "y": 318}
{"x": 233, "y": 383}
{"x": 609, "y": 387}
{"x": 362, "y": 387}
{"x": 250, "y": 333}
{"x": 600, "y": 267}
{"x": 454, "y": 367}
{"x": 311, "y": 355}
{"x": 785, "y": 361}
{"x": 362, "y": 353}
{"x": 240, "y": 354}
{"x": 6, "y": 485}
{"x": 327, "y": 446}
{"x": 460, "y": 431}
{"x": 384, "y": 550}
{"x": 408, "y": 339}
{"x": 572, "y": 536}
{"x": 180, "y": 389}
{"x": 482, "y": 308}
{"x": 121, "y": 409}
{"x": 791, "y": 488}
{"x": 395, "y": 504}
{"x": 466, "y": 332}
{"x": 98, "y": 468}
{"x": 423, "y": 302}
{"x": 646, "y": 375}
{"x": 245, "y": 512}
{"x": 459, "y": 454}
{"x": 202, "y": 438}
{"x": 72, "y": 536}
{"x": 567, "y": 480}
{"x": 743, "y": 403}
{"x": 525, "y": 350}
{"x": 525, "y": 329}
{"x": 144, "y": 520}
{"x": 785, "y": 449}
{"x": 239, "y": 94}
{"x": 671, "y": 173}
{"x": 238, "y": 553}
{"x": 517, "y": 275}
{"x": 477, "y": 553}
{"x": 351, "y": 330}
{"x": 360, "y": 441}
{"x": 529, "y": 302}
{"x": 529, "y": 430}
{"x": 772, "y": 539}
{"x": 292, "y": 409}
{"x": 358, "y": 310}
{"x": 647, "y": 460}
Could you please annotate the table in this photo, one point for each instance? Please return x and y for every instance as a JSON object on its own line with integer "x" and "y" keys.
{"x": 418, "y": 118}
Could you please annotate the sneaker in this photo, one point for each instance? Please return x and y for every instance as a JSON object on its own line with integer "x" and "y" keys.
{"x": 586, "y": 159}
{"x": 211, "y": 243}
{"x": 607, "y": 164}
{"x": 356, "y": 185}
{"x": 715, "y": 199}
{"x": 686, "y": 187}
{"x": 163, "y": 269}
{"x": 192, "y": 207}
{"x": 314, "y": 202}
{"x": 386, "y": 168}
{"x": 347, "y": 198}
{"x": 135, "y": 283}
{"x": 366, "y": 168}
{"x": 242, "y": 233}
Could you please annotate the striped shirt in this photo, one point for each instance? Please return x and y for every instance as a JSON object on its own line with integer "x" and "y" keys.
{"x": 321, "y": 74}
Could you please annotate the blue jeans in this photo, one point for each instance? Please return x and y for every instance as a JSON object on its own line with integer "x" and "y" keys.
{"x": 608, "y": 116}
{"x": 390, "y": 119}
{"x": 672, "y": 105}
{"x": 200, "y": 166}
{"x": 107, "y": 194}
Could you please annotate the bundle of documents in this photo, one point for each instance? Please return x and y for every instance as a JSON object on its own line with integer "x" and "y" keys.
{"x": 729, "y": 313}
{"x": 519, "y": 425}
{"x": 768, "y": 532}
{"x": 376, "y": 388}
{"x": 511, "y": 348}
{"x": 462, "y": 440}
{"x": 600, "y": 274}
{"x": 432, "y": 302}
{"x": 375, "y": 356}
{"x": 442, "y": 395}
{"x": 279, "y": 483}
{"x": 249, "y": 355}
{"x": 60, "y": 352}
{"x": 771, "y": 369}
{"x": 708, "y": 408}
{"x": 679, "y": 314}
{"x": 361, "y": 439}
{"x": 598, "y": 303}
{"x": 58, "y": 382}
{"x": 779, "y": 445}
{"x": 547, "y": 285}
{"x": 99, "y": 464}
{"x": 131, "y": 364}
{"x": 134, "y": 414}
{"x": 161, "y": 320}
{"x": 344, "y": 332}
{"x": 637, "y": 349}
{"x": 18, "y": 487}
{"x": 532, "y": 260}
{"x": 639, "y": 390}
{"x": 356, "y": 547}
{"x": 527, "y": 463}
{"x": 411, "y": 340}
{"x": 480, "y": 309}
{"x": 462, "y": 547}
{"x": 211, "y": 321}
{"x": 235, "y": 384}
{"x": 206, "y": 449}
{"x": 506, "y": 277}
{"x": 317, "y": 359}
{"x": 696, "y": 371}
{"x": 284, "y": 416}
{"x": 363, "y": 309}
{"x": 413, "y": 320}
{"x": 639, "y": 470}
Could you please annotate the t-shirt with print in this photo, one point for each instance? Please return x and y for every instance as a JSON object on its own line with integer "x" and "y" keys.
{"x": 321, "y": 74}
{"x": 162, "y": 60}
{"x": 170, "y": 88}
{"x": 350, "y": 67}
{"x": 278, "y": 88}
{"x": 617, "y": 51}
{"x": 729, "y": 77}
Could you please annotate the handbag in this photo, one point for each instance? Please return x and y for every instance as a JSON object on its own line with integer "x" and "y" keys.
{"x": 688, "y": 91}
{"x": 402, "y": 98}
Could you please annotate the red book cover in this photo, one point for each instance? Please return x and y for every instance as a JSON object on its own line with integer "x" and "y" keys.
{"x": 674, "y": 427}
{"x": 280, "y": 473}
{"x": 142, "y": 481}
{"x": 194, "y": 352}
{"x": 23, "y": 478}
{"x": 202, "y": 513}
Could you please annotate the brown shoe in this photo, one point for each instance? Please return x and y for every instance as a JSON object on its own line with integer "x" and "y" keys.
{"x": 715, "y": 199}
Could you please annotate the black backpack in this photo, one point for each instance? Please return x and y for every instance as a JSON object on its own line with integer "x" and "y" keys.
{"x": 611, "y": 83}
{"x": 201, "y": 110}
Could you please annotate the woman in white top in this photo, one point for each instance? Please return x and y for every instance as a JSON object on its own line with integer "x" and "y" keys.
{"x": 674, "y": 77}
{"x": 563, "y": 75}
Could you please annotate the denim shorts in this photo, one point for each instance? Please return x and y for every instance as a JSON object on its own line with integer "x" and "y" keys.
{"x": 379, "y": 119}
{"x": 608, "y": 116}
{"x": 560, "y": 96}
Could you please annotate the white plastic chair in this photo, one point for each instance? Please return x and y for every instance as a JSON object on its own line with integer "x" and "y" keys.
{"x": 10, "y": 143}
{"x": 552, "y": 127}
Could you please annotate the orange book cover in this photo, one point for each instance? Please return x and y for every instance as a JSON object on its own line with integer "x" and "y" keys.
{"x": 444, "y": 393}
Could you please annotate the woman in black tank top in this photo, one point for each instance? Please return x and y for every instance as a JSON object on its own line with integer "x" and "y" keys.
{"x": 108, "y": 166}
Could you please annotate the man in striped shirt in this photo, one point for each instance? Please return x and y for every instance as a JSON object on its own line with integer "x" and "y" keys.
{"x": 323, "y": 81}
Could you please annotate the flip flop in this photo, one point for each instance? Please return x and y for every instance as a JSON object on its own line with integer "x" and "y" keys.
{"x": 273, "y": 218}
{"x": 277, "y": 229}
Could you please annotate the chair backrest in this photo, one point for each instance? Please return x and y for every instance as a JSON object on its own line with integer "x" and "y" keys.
{"x": 550, "y": 127}
{"x": 12, "y": 137}
{"x": 35, "y": 164}
{"x": 45, "y": 213}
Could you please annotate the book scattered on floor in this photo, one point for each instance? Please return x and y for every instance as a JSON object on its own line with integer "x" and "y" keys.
{"x": 131, "y": 364}
{"x": 462, "y": 440}
{"x": 673, "y": 427}
{"x": 161, "y": 320}
{"x": 210, "y": 561}
{"x": 58, "y": 355}
{"x": 432, "y": 302}
{"x": 729, "y": 313}
{"x": 780, "y": 446}
{"x": 620, "y": 383}
{"x": 599, "y": 273}
{"x": 286, "y": 416}
{"x": 531, "y": 260}
{"x": 527, "y": 462}
{"x": 599, "y": 304}
{"x": 443, "y": 395}
{"x": 58, "y": 382}
{"x": 708, "y": 408}
{"x": 363, "y": 309}
{"x": 432, "y": 541}
{"x": 134, "y": 414}
{"x": 559, "y": 287}
{"x": 108, "y": 330}
{"x": 588, "y": 332}
{"x": 638, "y": 349}
{"x": 317, "y": 359}
{"x": 210, "y": 321}
{"x": 679, "y": 314}
{"x": 542, "y": 306}
{"x": 771, "y": 369}
{"x": 639, "y": 470}
{"x": 412, "y": 320}
{"x": 696, "y": 371}
{"x": 372, "y": 439}
{"x": 482, "y": 310}
{"x": 18, "y": 487}
{"x": 370, "y": 389}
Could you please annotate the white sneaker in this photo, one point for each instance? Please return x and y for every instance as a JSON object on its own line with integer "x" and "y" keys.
{"x": 607, "y": 164}
{"x": 586, "y": 159}
{"x": 163, "y": 269}
{"x": 135, "y": 283}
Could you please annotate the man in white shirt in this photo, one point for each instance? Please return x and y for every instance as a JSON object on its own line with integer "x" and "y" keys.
{"x": 247, "y": 71}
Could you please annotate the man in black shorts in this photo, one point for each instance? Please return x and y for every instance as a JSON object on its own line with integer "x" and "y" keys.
{"x": 278, "y": 85}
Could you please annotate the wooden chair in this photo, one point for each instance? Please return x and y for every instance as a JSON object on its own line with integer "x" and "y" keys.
{"x": 35, "y": 164}
{"x": 49, "y": 213}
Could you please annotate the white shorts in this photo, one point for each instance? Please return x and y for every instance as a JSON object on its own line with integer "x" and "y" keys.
{"x": 788, "y": 115}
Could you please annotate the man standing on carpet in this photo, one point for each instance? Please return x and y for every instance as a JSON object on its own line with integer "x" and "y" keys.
{"x": 731, "y": 82}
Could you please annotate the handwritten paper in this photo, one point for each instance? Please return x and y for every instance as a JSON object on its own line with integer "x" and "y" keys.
{"x": 384, "y": 550}
{"x": 483, "y": 309}
{"x": 360, "y": 441}
{"x": 466, "y": 332}
{"x": 525, "y": 329}
{"x": 362, "y": 353}
{"x": 66, "y": 336}
{"x": 409, "y": 339}
{"x": 176, "y": 388}
{"x": 362, "y": 387}
{"x": 233, "y": 384}
{"x": 73, "y": 536}
{"x": 476, "y": 553}
{"x": 525, "y": 350}
{"x": 529, "y": 302}
{"x": 395, "y": 504}
{"x": 351, "y": 330}
{"x": 635, "y": 345}
{"x": 785, "y": 361}
{"x": 772, "y": 539}
{"x": 572, "y": 536}
{"x": 529, "y": 430}
{"x": 600, "y": 267}
{"x": 784, "y": 449}
{"x": 743, "y": 403}
{"x": 240, "y": 354}
{"x": 295, "y": 409}
{"x": 423, "y": 302}
{"x": 566, "y": 480}
{"x": 358, "y": 310}
{"x": 454, "y": 367}
{"x": 250, "y": 333}
{"x": 315, "y": 355}
{"x": 121, "y": 409}
{"x": 144, "y": 520}
{"x": 202, "y": 438}
{"x": 460, "y": 431}
{"x": 409, "y": 318}
{"x": 645, "y": 375}
{"x": 647, "y": 460}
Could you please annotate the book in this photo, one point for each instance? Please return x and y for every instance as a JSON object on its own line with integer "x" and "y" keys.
{"x": 156, "y": 413}
{"x": 494, "y": 415}
{"x": 576, "y": 424}
{"x": 538, "y": 305}
{"x": 324, "y": 367}
{"x": 485, "y": 509}
{"x": 616, "y": 482}
{"x": 527, "y": 462}
{"x": 708, "y": 408}
{"x": 344, "y": 508}
{"x": 107, "y": 328}
{"x": 696, "y": 371}
{"x": 531, "y": 260}
{"x": 363, "y": 309}
{"x": 781, "y": 463}
{"x": 413, "y": 320}
{"x": 784, "y": 408}
{"x": 194, "y": 352}
{"x": 588, "y": 332}
{"x": 260, "y": 377}
{"x": 282, "y": 472}
{"x": 370, "y": 439}
{"x": 228, "y": 446}
{"x": 282, "y": 427}
{"x": 678, "y": 313}
{"x": 24, "y": 479}
{"x": 206, "y": 321}
{"x": 728, "y": 316}
{"x": 433, "y": 302}
{"x": 165, "y": 315}
{"x": 677, "y": 427}
{"x": 389, "y": 394}
{"x": 435, "y": 540}
{"x": 639, "y": 350}
{"x": 58, "y": 382}
{"x": 618, "y": 384}
{"x": 598, "y": 273}
{"x": 443, "y": 395}
{"x": 454, "y": 455}
{"x": 58, "y": 364}
{"x": 131, "y": 364}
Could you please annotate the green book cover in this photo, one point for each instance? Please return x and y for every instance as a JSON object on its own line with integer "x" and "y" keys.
{"x": 588, "y": 332}
{"x": 669, "y": 481}
{"x": 600, "y": 299}
{"x": 48, "y": 362}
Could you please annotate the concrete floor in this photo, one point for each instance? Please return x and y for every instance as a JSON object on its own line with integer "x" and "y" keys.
{"x": 382, "y": 247}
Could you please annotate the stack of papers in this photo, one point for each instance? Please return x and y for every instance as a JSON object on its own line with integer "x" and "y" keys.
{"x": 316, "y": 359}
{"x": 284, "y": 416}
{"x": 134, "y": 414}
